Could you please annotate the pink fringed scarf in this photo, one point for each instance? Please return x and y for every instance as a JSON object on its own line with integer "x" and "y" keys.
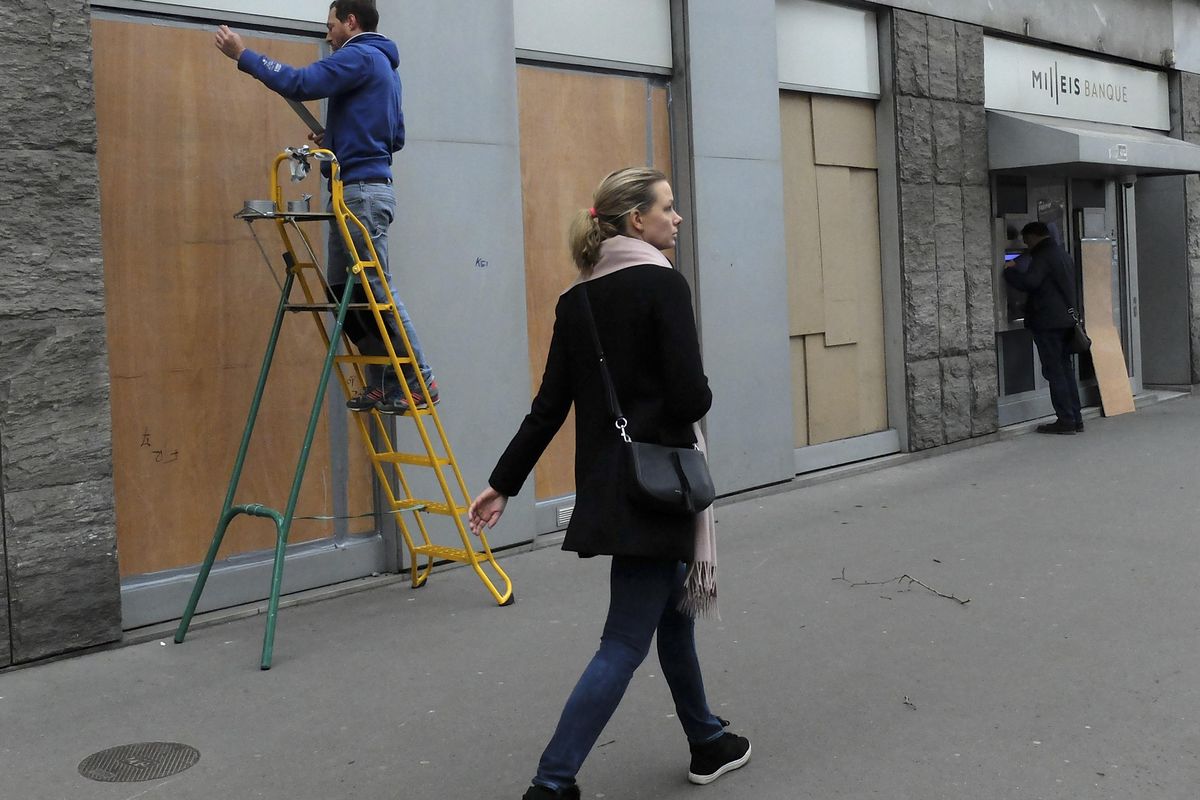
{"x": 700, "y": 586}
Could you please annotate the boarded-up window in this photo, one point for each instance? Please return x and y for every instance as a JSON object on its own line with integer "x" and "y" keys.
{"x": 576, "y": 127}
{"x": 834, "y": 281}
{"x": 184, "y": 139}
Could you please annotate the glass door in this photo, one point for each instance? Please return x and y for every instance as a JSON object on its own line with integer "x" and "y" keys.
{"x": 1018, "y": 200}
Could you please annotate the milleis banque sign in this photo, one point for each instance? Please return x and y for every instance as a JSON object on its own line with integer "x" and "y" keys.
{"x": 1037, "y": 80}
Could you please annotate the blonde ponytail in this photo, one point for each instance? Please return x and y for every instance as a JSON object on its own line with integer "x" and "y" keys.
{"x": 622, "y": 192}
{"x": 585, "y": 238}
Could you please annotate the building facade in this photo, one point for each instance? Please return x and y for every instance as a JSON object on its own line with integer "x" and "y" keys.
{"x": 851, "y": 176}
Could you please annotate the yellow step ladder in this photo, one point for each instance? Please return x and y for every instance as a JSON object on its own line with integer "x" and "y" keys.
{"x": 436, "y": 455}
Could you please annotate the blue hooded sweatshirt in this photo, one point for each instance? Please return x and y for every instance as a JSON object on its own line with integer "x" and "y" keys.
{"x": 365, "y": 124}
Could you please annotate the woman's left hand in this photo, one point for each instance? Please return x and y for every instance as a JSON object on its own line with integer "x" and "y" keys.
{"x": 485, "y": 510}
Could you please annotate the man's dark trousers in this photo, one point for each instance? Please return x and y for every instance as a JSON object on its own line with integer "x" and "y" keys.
{"x": 1059, "y": 371}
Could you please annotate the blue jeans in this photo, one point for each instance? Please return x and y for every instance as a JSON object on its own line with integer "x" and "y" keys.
{"x": 375, "y": 206}
{"x": 1059, "y": 371}
{"x": 644, "y": 593}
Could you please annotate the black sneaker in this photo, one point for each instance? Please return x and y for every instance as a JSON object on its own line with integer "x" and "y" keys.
{"x": 1079, "y": 427}
{"x": 394, "y": 402}
{"x": 1059, "y": 427}
{"x": 713, "y": 759}
{"x": 365, "y": 400}
{"x": 536, "y": 792}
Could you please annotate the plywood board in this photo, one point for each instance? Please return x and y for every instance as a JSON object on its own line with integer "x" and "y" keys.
{"x": 189, "y": 301}
{"x": 660, "y": 145}
{"x": 802, "y": 227}
{"x": 841, "y": 256}
{"x": 576, "y": 128}
{"x": 833, "y": 390}
{"x": 864, "y": 194}
{"x": 661, "y": 121}
{"x": 799, "y": 392}
{"x": 1108, "y": 357}
{"x": 844, "y": 132}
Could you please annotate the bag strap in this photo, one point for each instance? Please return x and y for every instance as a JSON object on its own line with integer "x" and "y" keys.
{"x": 610, "y": 390}
{"x": 1063, "y": 291}
{"x": 684, "y": 483}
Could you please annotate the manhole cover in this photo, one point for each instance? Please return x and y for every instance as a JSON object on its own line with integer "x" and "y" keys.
{"x": 144, "y": 761}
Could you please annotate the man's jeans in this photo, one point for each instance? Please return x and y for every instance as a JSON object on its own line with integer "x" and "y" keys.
{"x": 644, "y": 594}
{"x": 1059, "y": 371}
{"x": 375, "y": 206}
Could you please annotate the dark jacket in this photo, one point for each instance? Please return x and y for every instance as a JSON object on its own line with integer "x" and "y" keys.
{"x": 365, "y": 124}
{"x": 1049, "y": 280}
{"x": 648, "y": 332}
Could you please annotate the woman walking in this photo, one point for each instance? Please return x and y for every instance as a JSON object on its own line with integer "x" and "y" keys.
{"x": 663, "y": 566}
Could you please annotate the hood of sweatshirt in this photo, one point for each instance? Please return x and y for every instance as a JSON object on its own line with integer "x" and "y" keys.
{"x": 380, "y": 43}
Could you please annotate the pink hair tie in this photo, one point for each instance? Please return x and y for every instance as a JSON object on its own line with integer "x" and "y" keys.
{"x": 592, "y": 212}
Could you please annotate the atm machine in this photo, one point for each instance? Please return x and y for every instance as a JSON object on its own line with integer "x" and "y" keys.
{"x": 1021, "y": 384}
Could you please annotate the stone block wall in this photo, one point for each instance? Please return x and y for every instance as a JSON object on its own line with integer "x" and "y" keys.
{"x": 1190, "y": 123}
{"x": 945, "y": 229}
{"x": 59, "y": 586}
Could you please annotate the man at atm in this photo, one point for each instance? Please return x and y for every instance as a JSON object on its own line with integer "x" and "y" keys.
{"x": 1049, "y": 281}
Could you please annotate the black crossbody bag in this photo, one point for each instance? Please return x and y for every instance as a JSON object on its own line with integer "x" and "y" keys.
{"x": 1078, "y": 341}
{"x": 669, "y": 480}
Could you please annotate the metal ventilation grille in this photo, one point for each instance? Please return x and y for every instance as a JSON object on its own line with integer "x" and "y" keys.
{"x": 144, "y": 761}
{"x": 564, "y": 516}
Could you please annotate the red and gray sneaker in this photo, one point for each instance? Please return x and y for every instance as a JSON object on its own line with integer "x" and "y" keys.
{"x": 366, "y": 399}
{"x": 394, "y": 401}
{"x": 713, "y": 759}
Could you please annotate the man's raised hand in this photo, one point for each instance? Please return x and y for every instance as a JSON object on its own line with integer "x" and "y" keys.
{"x": 229, "y": 42}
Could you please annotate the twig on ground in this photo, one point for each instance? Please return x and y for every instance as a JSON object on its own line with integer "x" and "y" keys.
{"x": 905, "y": 581}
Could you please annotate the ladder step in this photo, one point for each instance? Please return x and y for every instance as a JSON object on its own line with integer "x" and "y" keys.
{"x": 424, "y": 411}
{"x": 444, "y": 509}
{"x": 447, "y": 553}
{"x": 428, "y": 507}
{"x": 332, "y": 307}
{"x": 250, "y": 214}
{"x": 370, "y": 359}
{"x": 412, "y": 459}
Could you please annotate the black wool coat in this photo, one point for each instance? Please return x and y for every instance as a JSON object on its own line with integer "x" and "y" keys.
{"x": 647, "y": 329}
{"x": 1049, "y": 280}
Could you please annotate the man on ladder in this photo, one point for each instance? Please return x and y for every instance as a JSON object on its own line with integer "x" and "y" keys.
{"x": 365, "y": 126}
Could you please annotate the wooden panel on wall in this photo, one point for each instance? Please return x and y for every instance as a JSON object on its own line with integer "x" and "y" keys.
{"x": 189, "y": 301}
{"x": 661, "y": 121}
{"x": 799, "y": 393}
{"x": 575, "y": 129}
{"x": 840, "y": 266}
{"x": 864, "y": 199}
{"x": 844, "y": 132}
{"x": 1108, "y": 356}
{"x": 834, "y": 267}
{"x": 806, "y": 307}
{"x": 833, "y": 390}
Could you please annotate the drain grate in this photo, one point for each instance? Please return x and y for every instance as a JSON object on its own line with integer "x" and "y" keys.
{"x": 144, "y": 761}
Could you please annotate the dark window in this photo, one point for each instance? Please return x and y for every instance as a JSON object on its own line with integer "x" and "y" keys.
{"x": 1011, "y": 195}
{"x": 1087, "y": 193}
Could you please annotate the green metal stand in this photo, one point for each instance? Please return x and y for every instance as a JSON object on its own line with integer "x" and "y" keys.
{"x": 283, "y": 521}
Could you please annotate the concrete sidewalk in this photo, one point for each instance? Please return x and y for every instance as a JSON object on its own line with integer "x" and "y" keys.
{"x": 1072, "y": 672}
